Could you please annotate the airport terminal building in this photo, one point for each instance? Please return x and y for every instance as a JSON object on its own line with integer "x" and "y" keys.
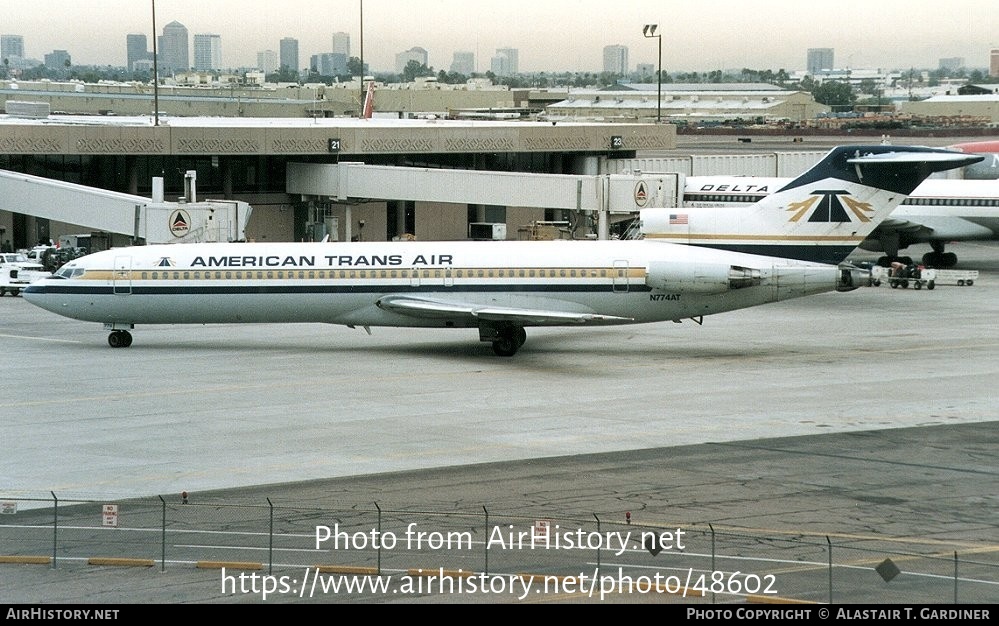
{"x": 247, "y": 159}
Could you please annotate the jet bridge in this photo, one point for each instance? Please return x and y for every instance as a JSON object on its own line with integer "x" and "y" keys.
{"x": 605, "y": 194}
{"x": 147, "y": 219}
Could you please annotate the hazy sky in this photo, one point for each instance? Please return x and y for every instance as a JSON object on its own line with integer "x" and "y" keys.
{"x": 550, "y": 35}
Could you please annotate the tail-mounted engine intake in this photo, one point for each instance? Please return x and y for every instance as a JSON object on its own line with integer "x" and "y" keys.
{"x": 699, "y": 277}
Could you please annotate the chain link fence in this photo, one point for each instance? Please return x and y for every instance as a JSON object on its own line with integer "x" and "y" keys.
{"x": 701, "y": 562}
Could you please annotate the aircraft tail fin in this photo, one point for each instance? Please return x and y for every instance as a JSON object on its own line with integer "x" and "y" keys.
{"x": 823, "y": 214}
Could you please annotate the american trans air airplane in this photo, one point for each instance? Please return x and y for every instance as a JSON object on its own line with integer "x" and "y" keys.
{"x": 721, "y": 212}
{"x": 497, "y": 287}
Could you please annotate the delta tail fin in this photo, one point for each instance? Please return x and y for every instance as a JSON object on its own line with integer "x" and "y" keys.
{"x": 822, "y": 215}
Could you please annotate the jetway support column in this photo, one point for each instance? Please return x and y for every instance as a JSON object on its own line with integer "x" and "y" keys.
{"x": 400, "y": 218}
{"x": 603, "y": 222}
{"x": 226, "y": 165}
{"x": 132, "y": 174}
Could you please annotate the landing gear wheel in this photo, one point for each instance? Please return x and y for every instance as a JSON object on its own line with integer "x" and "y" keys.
{"x": 948, "y": 259}
{"x": 120, "y": 339}
{"x": 505, "y": 346}
{"x": 509, "y": 341}
{"x": 520, "y": 335}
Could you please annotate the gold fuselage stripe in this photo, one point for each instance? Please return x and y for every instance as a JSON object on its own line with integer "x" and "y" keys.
{"x": 364, "y": 274}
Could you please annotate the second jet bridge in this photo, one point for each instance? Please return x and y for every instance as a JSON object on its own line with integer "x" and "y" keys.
{"x": 601, "y": 194}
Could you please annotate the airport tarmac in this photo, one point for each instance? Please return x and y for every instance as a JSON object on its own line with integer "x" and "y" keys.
{"x": 864, "y": 412}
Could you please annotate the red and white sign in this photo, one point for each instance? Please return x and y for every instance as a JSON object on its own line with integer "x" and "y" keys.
{"x": 542, "y": 528}
{"x": 109, "y": 515}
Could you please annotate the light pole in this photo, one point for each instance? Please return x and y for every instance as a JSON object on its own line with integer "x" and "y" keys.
{"x": 361, "y": 37}
{"x": 649, "y": 30}
{"x": 156, "y": 78}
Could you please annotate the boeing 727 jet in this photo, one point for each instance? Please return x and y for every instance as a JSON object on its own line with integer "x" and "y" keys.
{"x": 498, "y": 287}
{"x": 721, "y": 212}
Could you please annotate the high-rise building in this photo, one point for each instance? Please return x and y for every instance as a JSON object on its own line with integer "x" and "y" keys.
{"x": 952, "y": 63}
{"x": 463, "y": 63}
{"x": 413, "y": 54}
{"x": 616, "y": 59}
{"x": 136, "y": 50}
{"x": 329, "y": 63}
{"x": 289, "y": 54}
{"x": 819, "y": 59}
{"x": 57, "y": 60}
{"x": 341, "y": 44}
{"x": 207, "y": 52}
{"x": 173, "y": 51}
{"x": 267, "y": 61}
{"x": 994, "y": 63}
{"x": 11, "y": 46}
{"x": 506, "y": 62}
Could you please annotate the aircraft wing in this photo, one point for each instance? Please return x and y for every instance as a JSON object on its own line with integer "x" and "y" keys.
{"x": 896, "y": 225}
{"x": 427, "y": 307}
{"x": 912, "y": 229}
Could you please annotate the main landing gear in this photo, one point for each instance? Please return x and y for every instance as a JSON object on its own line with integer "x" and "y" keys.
{"x": 938, "y": 258}
{"x": 506, "y": 340}
{"x": 120, "y": 339}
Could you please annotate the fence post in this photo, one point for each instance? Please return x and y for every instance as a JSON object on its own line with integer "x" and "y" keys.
{"x": 829, "y": 543}
{"x": 270, "y": 540}
{"x": 163, "y": 535}
{"x": 379, "y": 551}
{"x": 598, "y": 543}
{"x": 485, "y": 544}
{"x": 55, "y": 530}
{"x": 712, "y": 559}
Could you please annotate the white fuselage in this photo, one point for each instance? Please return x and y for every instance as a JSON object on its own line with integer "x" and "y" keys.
{"x": 342, "y": 283}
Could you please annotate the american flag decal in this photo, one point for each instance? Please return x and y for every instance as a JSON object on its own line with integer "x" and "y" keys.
{"x": 677, "y": 218}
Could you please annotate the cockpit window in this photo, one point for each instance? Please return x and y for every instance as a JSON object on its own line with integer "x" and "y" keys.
{"x": 70, "y": 272}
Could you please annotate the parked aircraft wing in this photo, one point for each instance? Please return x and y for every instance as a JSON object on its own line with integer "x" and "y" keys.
{"x": 430, "y": 308}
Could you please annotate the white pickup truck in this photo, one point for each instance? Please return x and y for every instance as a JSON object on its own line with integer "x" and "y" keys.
{"x": 17, "y": 272}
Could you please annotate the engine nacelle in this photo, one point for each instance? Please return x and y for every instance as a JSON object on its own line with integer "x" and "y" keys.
{"x": 851, "y": 277}
{"x": 704, "y": 278}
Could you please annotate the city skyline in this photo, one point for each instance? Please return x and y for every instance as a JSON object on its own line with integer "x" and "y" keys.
{"x": 565, "y": 35}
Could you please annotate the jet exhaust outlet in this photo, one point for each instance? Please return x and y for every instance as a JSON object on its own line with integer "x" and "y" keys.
{"x": 852, "y": 277}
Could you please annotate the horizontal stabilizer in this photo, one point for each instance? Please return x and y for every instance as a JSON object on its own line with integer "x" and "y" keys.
{"x": 953, "y": 159}
{"x": 899, "y": 169}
